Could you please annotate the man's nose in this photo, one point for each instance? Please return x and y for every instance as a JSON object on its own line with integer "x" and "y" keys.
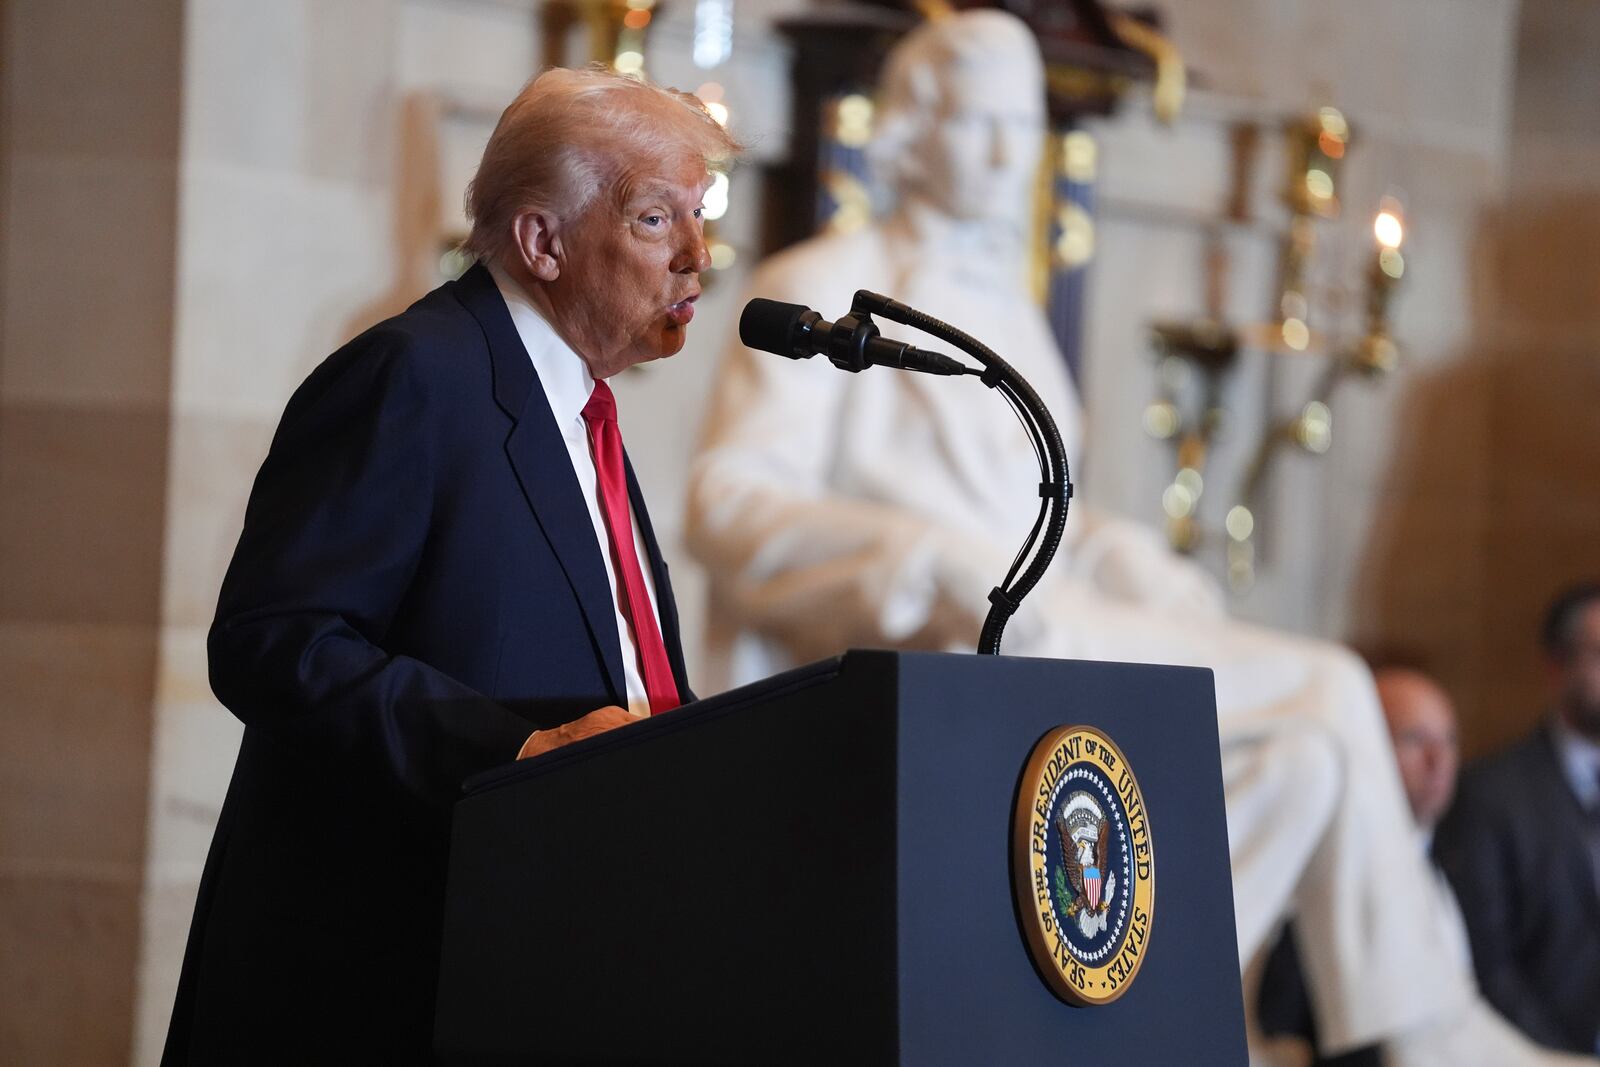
{"x": 693, "y": 257}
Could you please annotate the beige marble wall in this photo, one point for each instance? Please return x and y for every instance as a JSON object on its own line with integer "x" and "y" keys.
{"x": 1491, "y": 502}
{"x": 88, "y": 194}
{"x": 285, "y": 213}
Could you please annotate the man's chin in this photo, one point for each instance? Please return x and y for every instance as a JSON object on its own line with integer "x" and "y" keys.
{"x": 671, "y": 340}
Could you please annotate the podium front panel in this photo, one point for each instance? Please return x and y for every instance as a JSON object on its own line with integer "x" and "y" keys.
{"x": 817, "y": 869}
{"x": 968, "y": 987}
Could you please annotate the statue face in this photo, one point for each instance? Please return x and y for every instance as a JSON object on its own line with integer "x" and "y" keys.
{"x": 979, "y": 156}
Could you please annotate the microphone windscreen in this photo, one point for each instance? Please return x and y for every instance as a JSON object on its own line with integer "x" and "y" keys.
{"x": 769, "y": 325}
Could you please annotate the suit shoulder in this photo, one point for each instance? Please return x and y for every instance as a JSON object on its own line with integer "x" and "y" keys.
{"x": 426, "y": 357}
{"x": 435, "y": 345}
{"x": 1505, "y": 769}
{"x": 431, "y": 337}
{"x": 1492, "y": 795}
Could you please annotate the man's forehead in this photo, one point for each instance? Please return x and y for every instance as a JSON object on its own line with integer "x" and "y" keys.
{"x": 1412, "y": 700}
{"x": 689, "y": 183}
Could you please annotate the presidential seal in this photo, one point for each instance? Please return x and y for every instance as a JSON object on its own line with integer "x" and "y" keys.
{"x": 1083, "y": 865}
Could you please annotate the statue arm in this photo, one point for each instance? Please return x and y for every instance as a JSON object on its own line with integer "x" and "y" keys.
{"x": 1127, "y": 560}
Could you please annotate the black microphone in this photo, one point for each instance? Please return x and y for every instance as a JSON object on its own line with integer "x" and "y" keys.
{"x": 853, "y": 343}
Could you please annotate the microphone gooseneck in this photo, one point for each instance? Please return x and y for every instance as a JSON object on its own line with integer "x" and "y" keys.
{"x": 853, "y": 343}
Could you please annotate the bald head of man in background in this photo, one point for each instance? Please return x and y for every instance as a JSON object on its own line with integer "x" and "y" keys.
{"x": 1422, "y": 724}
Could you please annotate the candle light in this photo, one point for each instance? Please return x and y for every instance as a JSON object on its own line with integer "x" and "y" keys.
{"x": 1390, "y": 232}
{"x": 1376, "y": 353}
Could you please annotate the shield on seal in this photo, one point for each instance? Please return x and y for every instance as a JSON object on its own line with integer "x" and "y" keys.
{"x": 1091, "y": 886}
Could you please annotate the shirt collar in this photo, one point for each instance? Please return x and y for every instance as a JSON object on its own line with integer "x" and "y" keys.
{"x": 562, "y": 372}
{"x": 1580, "y": 760}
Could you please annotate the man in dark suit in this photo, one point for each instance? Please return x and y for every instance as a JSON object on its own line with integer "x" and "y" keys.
{"x": 1522, "y": 848}
{"x": 445, "y": 559}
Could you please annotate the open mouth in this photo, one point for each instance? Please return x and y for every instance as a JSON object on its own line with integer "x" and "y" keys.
{"x": 682, "y": 312}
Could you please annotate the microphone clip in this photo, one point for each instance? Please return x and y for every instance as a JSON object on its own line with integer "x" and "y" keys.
{"x": 854, "y": 343}
{"x": 848, "y": 340}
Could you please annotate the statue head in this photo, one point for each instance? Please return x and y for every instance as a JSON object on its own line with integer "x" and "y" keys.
{"x": 962, "y": 116}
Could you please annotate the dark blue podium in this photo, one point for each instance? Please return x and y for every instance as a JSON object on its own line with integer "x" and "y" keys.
{"x": 818, "y": 869}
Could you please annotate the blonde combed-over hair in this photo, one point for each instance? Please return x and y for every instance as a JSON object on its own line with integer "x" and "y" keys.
{"x": 569, "y": 135}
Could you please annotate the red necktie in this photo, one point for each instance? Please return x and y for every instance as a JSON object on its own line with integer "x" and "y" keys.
{"x": 601, "y": 415}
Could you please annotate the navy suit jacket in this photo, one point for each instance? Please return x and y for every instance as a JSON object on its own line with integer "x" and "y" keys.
{"x": 417, "y": 586}
{"x": 1513, "y": 845}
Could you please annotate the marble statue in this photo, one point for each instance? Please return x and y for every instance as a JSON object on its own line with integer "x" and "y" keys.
{"x": 835, "y": 510}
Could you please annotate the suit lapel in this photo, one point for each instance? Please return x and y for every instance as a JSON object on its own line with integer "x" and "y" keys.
{"x": 539, "y": 458}
{"x": 666, "y": 605}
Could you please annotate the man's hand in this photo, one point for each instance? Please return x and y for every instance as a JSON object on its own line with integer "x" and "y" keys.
{"x": 596, "y": 722}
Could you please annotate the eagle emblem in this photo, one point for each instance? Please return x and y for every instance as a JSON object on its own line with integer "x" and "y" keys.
{"x": 1085, "y": 886}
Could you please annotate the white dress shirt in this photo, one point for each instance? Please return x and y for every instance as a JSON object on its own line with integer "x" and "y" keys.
{"x": 1580, "y": 759}
{"x": 567, "y": 385}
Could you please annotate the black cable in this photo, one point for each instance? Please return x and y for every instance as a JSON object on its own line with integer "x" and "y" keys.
{"x": 1044, "y": 504}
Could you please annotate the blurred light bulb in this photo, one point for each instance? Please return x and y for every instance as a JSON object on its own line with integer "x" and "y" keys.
{"x": 716, "y": 198}
{"x": 1314, "y": 428}
{"x": 853, "y": 120}
{"x": 1240, "y": 523}
{"x": 1161, "y": 419}
{"x": 1319, "y": 184}
{"x": 1387, "y": 228}
{"x": 1333, "y": 122}
{"x": 1177, "y": 501}
{"x": 713, "y": 32}
{"x": 1296, "y": 334}
{"x": 1190, "y": 479}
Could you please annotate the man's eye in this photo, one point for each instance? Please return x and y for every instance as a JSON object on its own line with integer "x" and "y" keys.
{"x": 653, "y": 220}
{"x": 698, "y": 212}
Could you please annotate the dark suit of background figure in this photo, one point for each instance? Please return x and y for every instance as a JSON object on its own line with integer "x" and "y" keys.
{"x": 1515, "y": 847}
{"x": 417, "y": 587}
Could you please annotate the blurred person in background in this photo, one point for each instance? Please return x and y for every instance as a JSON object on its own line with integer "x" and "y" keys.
{"x": 1521, "y": 846}
{"x": 1423, "y": 728}
{"x": 878, "y": 509}
{"x": 1427, "y": 745}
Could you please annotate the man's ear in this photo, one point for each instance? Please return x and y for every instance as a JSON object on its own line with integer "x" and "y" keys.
{"x": 538, "y": 244}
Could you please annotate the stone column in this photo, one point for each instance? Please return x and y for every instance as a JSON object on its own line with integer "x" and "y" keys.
{"x": 88, "y": 202}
